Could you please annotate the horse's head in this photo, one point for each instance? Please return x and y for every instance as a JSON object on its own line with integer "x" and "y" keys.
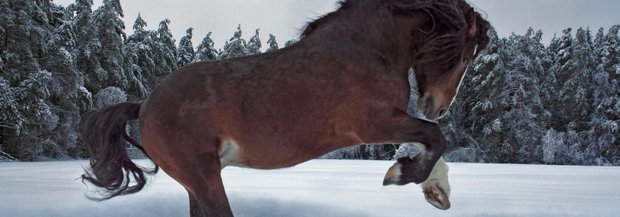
{"x": 450, "y": 37}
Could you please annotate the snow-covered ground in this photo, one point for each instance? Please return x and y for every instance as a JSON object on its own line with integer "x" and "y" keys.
{"x": 326, "y": 188}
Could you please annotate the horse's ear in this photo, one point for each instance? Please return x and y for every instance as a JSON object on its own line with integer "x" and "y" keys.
{"x": 473, "y": 24}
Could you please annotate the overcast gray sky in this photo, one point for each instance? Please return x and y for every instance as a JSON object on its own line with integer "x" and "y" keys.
{"x": 285, "y": 18}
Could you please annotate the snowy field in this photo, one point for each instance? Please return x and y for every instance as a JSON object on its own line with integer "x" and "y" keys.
{"x": 326, "y": 188}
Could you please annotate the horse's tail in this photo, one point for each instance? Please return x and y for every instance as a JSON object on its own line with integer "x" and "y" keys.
{"x": 110, "y": 167}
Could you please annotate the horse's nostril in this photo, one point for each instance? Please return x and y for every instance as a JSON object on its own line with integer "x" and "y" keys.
{"x": 442, "y": 112}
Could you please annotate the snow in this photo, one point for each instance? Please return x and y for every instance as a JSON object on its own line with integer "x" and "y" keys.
{"x": 326, "y": 188}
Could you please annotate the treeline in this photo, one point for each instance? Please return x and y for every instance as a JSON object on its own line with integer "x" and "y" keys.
{"x": 58, "y": 62}
{"x": 522, "y": 102}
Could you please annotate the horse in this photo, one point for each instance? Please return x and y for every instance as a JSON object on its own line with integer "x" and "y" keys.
{"x": 344, "y": 83}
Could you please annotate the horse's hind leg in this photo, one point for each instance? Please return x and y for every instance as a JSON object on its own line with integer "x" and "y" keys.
{"x": 207, "y": 194}
{"x": 194, "y": 207}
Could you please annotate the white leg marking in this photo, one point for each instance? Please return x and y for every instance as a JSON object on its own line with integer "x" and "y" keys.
{"x": 439, "y": 177}
{"x": 439, "y": 174}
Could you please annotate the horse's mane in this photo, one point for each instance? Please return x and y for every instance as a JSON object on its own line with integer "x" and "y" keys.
{"x": 447, "y": 31}
{"x": 444, "y": 35}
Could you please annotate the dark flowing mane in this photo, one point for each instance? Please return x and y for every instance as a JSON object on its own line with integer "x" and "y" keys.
{"x": 447, "y": 31}
{"x": 445, "y": 34}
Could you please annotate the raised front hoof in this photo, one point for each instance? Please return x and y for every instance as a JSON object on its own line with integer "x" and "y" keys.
{"x": 437, "y": 197}
{"x": 393, "y": 176}
{"x": 405, "y": 171}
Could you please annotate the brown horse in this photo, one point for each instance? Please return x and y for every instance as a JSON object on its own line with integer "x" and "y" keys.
{"x": 344, "y": 83}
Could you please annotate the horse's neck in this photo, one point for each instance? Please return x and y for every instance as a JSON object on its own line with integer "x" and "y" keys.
{"x": 381, "y": 40}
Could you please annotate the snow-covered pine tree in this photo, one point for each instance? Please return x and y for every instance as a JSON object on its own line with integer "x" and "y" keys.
{"x": 482, "y": 108}
{"x": 273, "y": 44}
{"x": 32, "y": 95}
{"x": 520, "y": 99}
{"x": 67, "y": 101}
{"x": 139, "y": 31}
{"x": 86, "y": 42}
{"x": 11, "y": 120}
{"x": 185, "y": 51}
{"x": 138, "y": 56}
{"x": 576, "y": 94}
{"x": 561, "y": 54}
{"x": 165, "y": 54}
{"x": 109, "y": 26}
{"x": 254, "y": 44}
{"x": 25, "y": 80}
{"x": 140, "y": 51}
{"x": 235, "y": 46}
{"x": 604, "y": 146}
{"x": 206, "y": 51}
{"x": 612, "y": 42}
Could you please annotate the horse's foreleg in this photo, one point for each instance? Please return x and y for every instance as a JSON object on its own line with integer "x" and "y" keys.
{"x": 418, "y": 168}
{"x": 436, "y": 187}
{"x": 209, "y": 195}
{"x": 401, "y": 128}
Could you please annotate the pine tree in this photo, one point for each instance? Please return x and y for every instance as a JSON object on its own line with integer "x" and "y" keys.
{"x": 185, "y": 51}
{"x": 138, "y": 51}
{"x": 235, "y": 46}
{"x": 11, "y": 119}
{"x": 273, "y": 45}
{"x": 206, "y": 51}
{"x": 254, "y": 44}
{"x": 520, "y": 102}
{"x": 164, "y": 51}
{"x": 575, "y": 92}
{"x": 85, "y": 34}
{"x": 25, "y": 81}
{"x": 604, "y": 144}
{"x": 140, "y": 33}
{"x": 482, "y": 107}
{"x": 520, "y": 96}
{"x": 558, "y": 73}
{"x": 67, "y": 101}
{"x": 109, "y": 25}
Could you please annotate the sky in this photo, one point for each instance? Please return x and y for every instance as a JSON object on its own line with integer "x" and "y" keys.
{"x": 286, "y": 18}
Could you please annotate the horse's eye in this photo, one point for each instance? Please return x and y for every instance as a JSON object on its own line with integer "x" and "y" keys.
{"x": 466, "y": 61}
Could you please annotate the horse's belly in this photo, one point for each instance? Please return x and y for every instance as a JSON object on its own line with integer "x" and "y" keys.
{"x": 274, "y": 156}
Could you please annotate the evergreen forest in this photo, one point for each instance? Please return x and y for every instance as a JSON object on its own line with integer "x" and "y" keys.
{"x": 522, "y": 101}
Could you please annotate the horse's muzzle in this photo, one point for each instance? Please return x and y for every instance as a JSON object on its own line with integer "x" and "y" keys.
{"x": 429, "y": 109}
